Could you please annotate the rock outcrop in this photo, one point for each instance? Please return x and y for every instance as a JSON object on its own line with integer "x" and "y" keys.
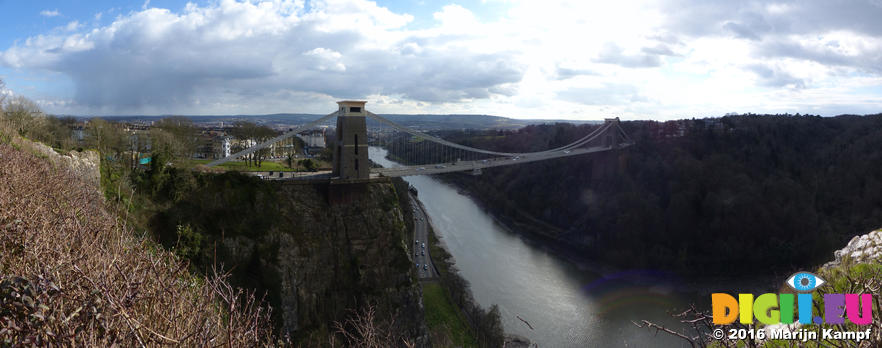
{"x": 84, "y": 164}
{"x": 863, "y": 248}
{"x": 325, "y": 259}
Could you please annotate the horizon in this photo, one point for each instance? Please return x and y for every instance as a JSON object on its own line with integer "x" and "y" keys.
{"x": 661, "y": 60}
{"x": 478, "y": 115}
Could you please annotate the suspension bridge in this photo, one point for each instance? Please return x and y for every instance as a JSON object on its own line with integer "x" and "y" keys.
{"x": 423, "y": 153}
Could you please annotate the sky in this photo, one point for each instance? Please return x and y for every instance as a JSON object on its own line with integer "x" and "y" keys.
{"x": 655, "y": 59}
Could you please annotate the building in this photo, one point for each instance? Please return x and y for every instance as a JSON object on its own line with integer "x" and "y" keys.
{"x": 314, "y": 138}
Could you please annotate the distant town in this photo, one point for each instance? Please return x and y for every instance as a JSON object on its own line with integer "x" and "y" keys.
{"x": 217, "y": 139}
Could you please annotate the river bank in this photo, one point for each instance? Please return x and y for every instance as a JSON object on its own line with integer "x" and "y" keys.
{"x": 437, "y": 247}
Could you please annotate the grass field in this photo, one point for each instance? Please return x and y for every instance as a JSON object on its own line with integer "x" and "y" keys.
{"x": 242, "y": 167}
{"x": 443, "y": 318}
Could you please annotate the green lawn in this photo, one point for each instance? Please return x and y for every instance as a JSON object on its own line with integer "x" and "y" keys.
{"x": 265, "y": 166}
{"x": 443, "y": 318}
{"x": 242, "y": 167}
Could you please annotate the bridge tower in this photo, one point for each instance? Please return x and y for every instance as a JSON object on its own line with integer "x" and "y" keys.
{"x": 611, "y": 138}
{"x": 351, "y": 149}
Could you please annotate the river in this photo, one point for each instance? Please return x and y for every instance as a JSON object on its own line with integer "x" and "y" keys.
{"x": 567, "y": 304}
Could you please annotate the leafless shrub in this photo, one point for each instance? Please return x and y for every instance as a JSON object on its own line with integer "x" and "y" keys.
{"x": 701, "y": 328}
{"x": 73, "y": 274}
{"x": 364, "y": 329}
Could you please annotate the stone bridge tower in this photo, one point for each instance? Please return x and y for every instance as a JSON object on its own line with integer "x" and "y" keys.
{"x": 611, "y": 137}
{"x": 351, "y": 148}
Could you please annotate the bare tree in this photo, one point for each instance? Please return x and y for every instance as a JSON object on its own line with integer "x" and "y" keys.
{"x": 178, "y": 135}
{"x": 364, "y": 329}
{"x": 2, "y": 96}
{"x": 23, "y": 114}
{"x": 250, "y": 134}
{"x": 243, "y": 132}
{"x": 107, "y": 137}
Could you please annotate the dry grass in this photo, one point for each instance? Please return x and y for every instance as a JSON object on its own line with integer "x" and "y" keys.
{"x": 72, "y": 273}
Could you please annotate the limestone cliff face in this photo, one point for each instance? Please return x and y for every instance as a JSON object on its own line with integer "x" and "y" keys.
{"x": 320, "y": 251}
{"x": 860, "y": 249}
{"x": 83, "y": 164}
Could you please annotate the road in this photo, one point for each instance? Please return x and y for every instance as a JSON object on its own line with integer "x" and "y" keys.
{"x": 421, "y": 258}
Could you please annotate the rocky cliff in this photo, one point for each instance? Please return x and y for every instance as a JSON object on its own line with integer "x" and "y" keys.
{"x": 321, "y": 252}
{"x": 865, "y": 248}
{"x": 84, "y": 164}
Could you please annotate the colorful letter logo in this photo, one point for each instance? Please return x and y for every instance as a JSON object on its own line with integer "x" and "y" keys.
{"x": 781, "y": 308}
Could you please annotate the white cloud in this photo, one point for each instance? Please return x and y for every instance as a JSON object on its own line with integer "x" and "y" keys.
{"x": 72, "y": 26}
{"x": 50, "y": 13}
{"x": 203, "y": 58}
{"x": 326, "y": 59}
{"x": 456, "y": 17}
{"x": 555, "y": 58}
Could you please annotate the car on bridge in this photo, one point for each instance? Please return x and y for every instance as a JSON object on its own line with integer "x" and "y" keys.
{"x": 425, "y": 267}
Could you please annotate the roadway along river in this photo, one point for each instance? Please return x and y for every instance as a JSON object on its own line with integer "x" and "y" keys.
{"x": 567, "y": 305}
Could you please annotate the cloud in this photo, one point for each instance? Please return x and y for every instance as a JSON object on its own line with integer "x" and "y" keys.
{"x": 563, "y": 73}
{"x": 659, "y": 49}
{"x": 72, "y": 26}
{"x": 555, "y": 58}
{"x": 613, "y": 54}
{"x": 208, "y": 56}
{"x": 608, "y": 94}
{"x": 777, "y": 20}
{"x": 50, "y": 13}
{"x": 833, "y": 49}
{"x": 773, "y": 76}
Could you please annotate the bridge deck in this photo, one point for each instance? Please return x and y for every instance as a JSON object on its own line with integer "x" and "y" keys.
{"x": 438, "y": 168}
{"x": 488, "y": 163}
